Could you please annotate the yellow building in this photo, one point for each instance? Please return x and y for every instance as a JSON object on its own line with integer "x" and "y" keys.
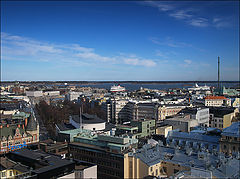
{"x": 11, "y": 169}
{"x": 140, "y": 167}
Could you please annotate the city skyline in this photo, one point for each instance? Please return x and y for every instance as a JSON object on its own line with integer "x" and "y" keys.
{"x": 97, "y": 41}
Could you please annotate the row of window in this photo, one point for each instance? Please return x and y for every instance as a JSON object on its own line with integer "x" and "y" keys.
{"x": 94, "y": 154}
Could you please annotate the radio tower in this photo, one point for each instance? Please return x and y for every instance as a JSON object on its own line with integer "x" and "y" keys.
{"x": 80, "y": 118}
{"x": 218, "y": 73}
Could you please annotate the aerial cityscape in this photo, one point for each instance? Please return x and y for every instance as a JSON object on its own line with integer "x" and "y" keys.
{"x": 119, "y": 89}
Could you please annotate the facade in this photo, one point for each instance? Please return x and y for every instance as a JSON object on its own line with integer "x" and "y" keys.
{"x": 146, "y": 128}
{"x": 107, "y": 152}
{"x": 143, "y": 110}
{"x": 183, "y": 123}
{"x": 34, "y": 93}
{"x": 163, "y": 130}
{"x": 116, "y": 110}
{"x": 221, "y": 117}
{"x": 230, "y": 140}
{"x": 217, "y": 101}
{"x": 109, "y": 164}
{"x": 73, "y": 95}
{"x": 165, "y": 111}
{"x": 18, "y": 133}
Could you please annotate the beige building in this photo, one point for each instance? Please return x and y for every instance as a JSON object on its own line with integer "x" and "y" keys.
{"x": 163, "y": 130}
{"x": 217, "y": 101}
{"x": 222, "y": 117}
{"x": 168, "y": 110}
{"x": 136, "y": 168}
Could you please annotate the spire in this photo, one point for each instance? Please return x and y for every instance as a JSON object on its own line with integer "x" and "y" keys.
{"x": 32, "y": 124}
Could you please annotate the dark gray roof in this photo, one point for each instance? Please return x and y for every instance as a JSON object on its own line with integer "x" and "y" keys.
{"x": 233, "y": 130}
{"x": 87, "y": 119}
{"x": 32, "y": 124}
{"x": 65, "y": 126}
{"x": 220, "y": 111}
{"x": 49, "y": 161}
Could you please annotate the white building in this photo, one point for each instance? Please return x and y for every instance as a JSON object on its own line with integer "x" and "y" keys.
{"x": 89, "y": 122}
{"x": 51, "y": 93}
{"x": 34, "y": 93}
{"x": 82, "y": 171}
{"x": 73, "y": 95}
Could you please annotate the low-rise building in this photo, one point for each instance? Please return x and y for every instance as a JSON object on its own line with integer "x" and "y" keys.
{"x": 34, "y": 93}
{"x": 183, "y": 123}
{"x": 217, "y": 101}
{"x": 163, "y": 130}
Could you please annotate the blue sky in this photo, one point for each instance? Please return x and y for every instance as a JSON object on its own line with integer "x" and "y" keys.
{"x": 142, "y": 40}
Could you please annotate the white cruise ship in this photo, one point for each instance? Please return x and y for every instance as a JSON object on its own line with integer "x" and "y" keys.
{"x": 198, "y": 88}
{"x": 117, "y": 88}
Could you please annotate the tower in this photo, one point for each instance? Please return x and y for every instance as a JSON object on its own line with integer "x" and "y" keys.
{"x": 219, "y": 73}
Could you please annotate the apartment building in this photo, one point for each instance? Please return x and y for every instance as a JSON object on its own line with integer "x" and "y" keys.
{"x": 221, "y": 117}
{"x": 217, "y": 101}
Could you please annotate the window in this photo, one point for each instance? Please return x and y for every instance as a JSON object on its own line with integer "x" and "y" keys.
{"x": 156, "y": 172}
{"x": 10, "y": 173}
{"x": 175, "y": 170}
{"x": 3, "y": 174}
{"x": 224, "y": 146}
{"x": 234, "y": 148}
{"x": 165, "y": 169}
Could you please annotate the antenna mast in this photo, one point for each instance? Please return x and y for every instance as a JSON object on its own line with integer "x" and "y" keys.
{"x": 218, "y": 72}
{"x": 80, "y": 118}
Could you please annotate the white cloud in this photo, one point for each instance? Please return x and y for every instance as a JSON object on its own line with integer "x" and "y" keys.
{"x": 169, "y": 42}
{"x": 199, "y": 22}
{"x": 141, "y": 62}
{"x": 188, "y": 62}
{"x": 181, "y": 14}
{"x": 22, "y": 48}
{"x": 191, "y": 16}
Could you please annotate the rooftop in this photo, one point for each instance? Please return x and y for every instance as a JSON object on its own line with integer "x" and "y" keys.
{"x": 233, "y": 130}
{"x": 87, "y": 119}
{"x": 216, "y": 97}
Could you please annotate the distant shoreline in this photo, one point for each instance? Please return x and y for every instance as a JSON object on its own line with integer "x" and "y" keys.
{"x": 116, "y": 82}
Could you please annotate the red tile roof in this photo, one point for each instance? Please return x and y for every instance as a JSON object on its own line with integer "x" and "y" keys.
{"x": 215, "y": 97}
